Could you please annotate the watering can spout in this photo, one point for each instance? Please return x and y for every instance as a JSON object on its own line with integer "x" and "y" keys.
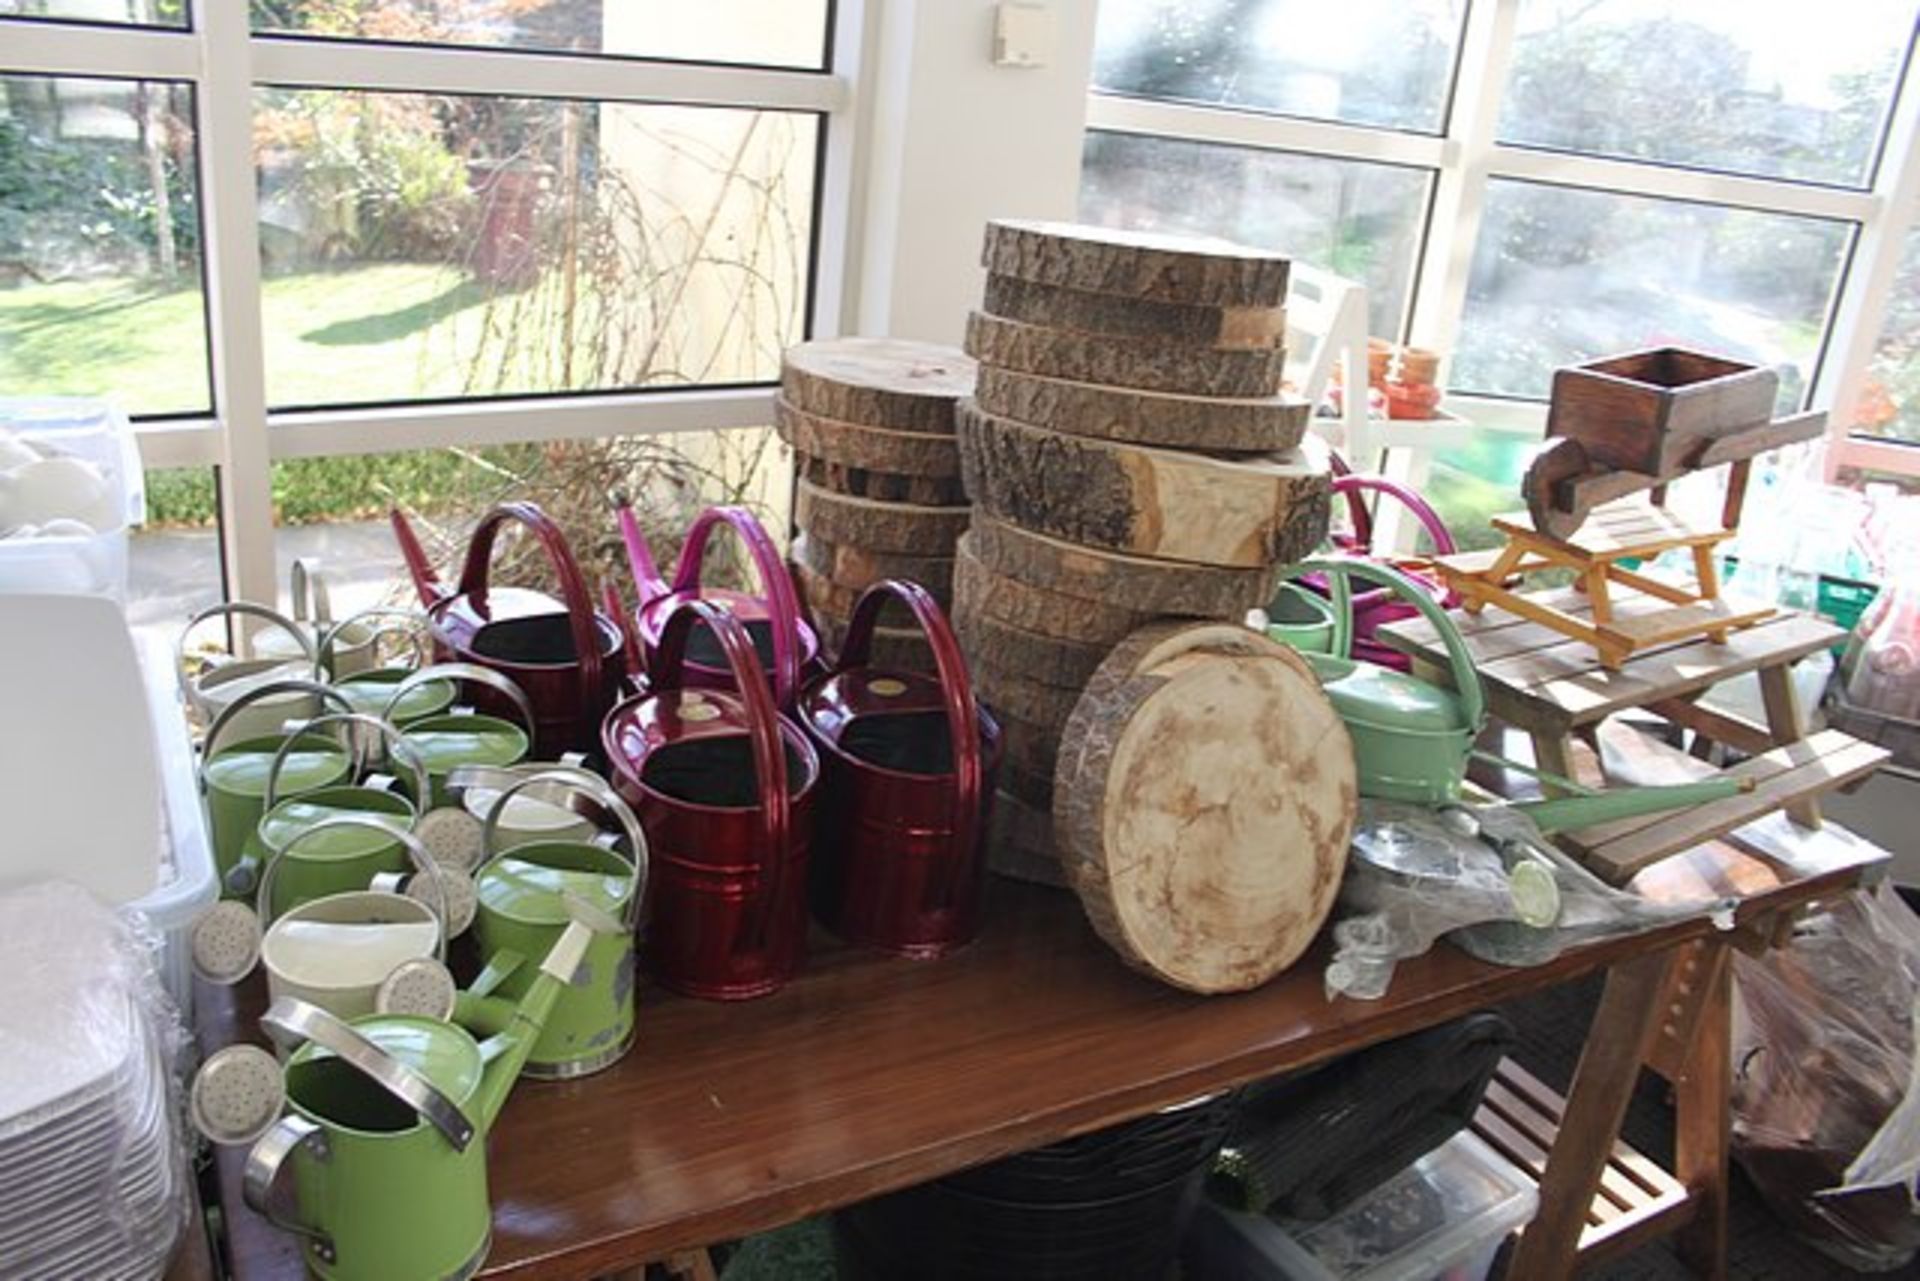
{"x": 425, "y": 581}
{"x": 647, "y": 580}
{"x": 1561, "y": 813}
{"x": 509, "y": 1050}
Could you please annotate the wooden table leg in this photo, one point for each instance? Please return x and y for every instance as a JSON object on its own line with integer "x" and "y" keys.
{"x": 1553, "y": 753}
{"x": 1703, "y": 1122}
{"x": 1783, "y": 722}
{"x": 1618, "y": 1042}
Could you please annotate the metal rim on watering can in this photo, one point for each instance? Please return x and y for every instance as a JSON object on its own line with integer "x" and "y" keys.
{"x": 966, "y": 738}
{"x": 571, "y": 784}
{"x": 474, "y": 672}
{"x": 794, "y": 643}
{"x": 423, "y": 863}
{"x": 386, "y": 621}
{"x": 210, "y": 746}
{"x": 292, "y": 1020}
{"x": 228, "y": 609}
{"x": 398, "y": 749}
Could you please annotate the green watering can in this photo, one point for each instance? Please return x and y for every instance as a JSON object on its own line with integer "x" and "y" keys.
{"x": 1412, "y": 739}
{"x": 528, "y": 895}
{"x": 460, "y": 736}
{"x": 233, "y": 775}
{"x": 351, "y": 858}
{"x": 384, "y": 1134}
{"x": 1298, "y": 618}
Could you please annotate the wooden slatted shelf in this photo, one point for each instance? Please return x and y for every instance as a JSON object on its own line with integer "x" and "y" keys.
{"x": 1637, "y": 1200}
{"x": 1781, "y": 777}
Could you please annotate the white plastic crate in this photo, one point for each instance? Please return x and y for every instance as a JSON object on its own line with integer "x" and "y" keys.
{"x": 88, "y": 566}
{"x": 175, "y": 904}
{"x": 1441, "y": 1219}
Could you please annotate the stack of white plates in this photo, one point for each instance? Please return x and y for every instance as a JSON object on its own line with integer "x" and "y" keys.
{"x": 91, "y": 1175}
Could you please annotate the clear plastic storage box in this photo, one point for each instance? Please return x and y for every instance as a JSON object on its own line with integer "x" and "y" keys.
{"x": 1445, "y": 1216}
{"x": 98, "y": 433}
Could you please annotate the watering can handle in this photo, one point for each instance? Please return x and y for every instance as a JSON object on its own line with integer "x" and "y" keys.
{"x": 271, "y": 689}
{"x": 267, "y": 1158}
{"x": 581, "y": 615}
{"x": 227, "y": 609}
{"x": 404, "y": 754}
{"x": 629, "y": 635}
{"x": 307, "y": 585}
{"x": 386, "y": 622}
{"x": 648, "y": 581}
{"x": 782, "y": 602}
{"x": 1437, "y": 532}
{"x": 572, "y": 784}
{"x": 956, "y": 687}
{"x": 1466, "y": 679}
{"x": 427, "y": 583}
{"x": 463, "y": 672}
{"x": 764, "y": 721}
{"x": 416, "y": 852}
{"x": 290, "y": 1019}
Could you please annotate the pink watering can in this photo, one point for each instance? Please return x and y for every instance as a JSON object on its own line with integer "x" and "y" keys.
{"x": 1376, "y": 607}
{"x": 782, "y": 641}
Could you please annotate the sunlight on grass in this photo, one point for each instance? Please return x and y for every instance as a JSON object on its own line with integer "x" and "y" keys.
{"x": 116, "y": 339}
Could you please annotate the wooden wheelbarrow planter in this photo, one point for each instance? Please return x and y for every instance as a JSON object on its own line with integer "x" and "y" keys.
{"x": 1618, "y": 428}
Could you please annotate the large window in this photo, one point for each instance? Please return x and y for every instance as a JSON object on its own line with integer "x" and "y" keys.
{"x": 336, "y": 254}
{"x": 1523, "y": 184}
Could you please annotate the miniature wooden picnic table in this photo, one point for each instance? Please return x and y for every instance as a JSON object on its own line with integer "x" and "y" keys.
{"x": 869, "y": 1074}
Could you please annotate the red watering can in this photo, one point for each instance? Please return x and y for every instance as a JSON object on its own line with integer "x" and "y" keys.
{"x": 568, "y": 659}
{"x": 728, "y": 815}
{"x": 909, "y": 763}
{"x": 1375, "y": 608}
{"x": 781, "y": 639}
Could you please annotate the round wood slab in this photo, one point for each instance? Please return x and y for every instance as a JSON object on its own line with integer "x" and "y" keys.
{"x": 866, "y": 522}
{"x": 859, "y": 567}
{"x": 977, "y": 589}
{"x": 903, "y": 453}
{"x": 880, "y": 382}
{"x": 1021, "y": 697}
{"x": 1020, "y": 842}
{"x": 1247, "y": 513}
{"x": 824, "y": 595}
{"x": 1150, "y": 586}
{"x": 1144, "y": 417}
{"x": 1032, "y": 303}
{"x": 888, "y": 487}
{"x": 1139, "y": 264}
{"x": 898, "y": 649}
{"x": 1203, "y": 802}
{"x": 1052, "y": 660}
{"x": 1150, "y": 364}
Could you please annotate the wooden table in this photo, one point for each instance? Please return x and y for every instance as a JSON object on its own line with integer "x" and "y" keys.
{"x": 870, "y": 1074}
{"x": 1556, "y": 689}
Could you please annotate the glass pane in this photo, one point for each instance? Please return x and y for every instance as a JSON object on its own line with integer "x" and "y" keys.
{"x": 173, "y": 564}
{"x": 1778, "y": 88}
{"x": 1354, "y": 218}
{"x": 144, "y": 13}
{"x": 100, "y": 243}
{"x": 1890, "y": 402}
{"x": 335, "y": 509}
{"x": 1369, "y": 62}
{"x": 427, "y": 247}
{"x": 1562, "y": 275}
{"x": 779, "y": 33}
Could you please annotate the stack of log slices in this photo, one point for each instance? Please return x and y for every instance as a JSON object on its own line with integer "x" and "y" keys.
{"x": 877, "y": 479}
{"x": 1130, "y": 456}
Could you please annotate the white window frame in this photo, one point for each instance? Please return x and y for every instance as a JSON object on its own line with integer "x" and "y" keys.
{"x": 224, "y": 61}
{"x": 1466, "y": 155}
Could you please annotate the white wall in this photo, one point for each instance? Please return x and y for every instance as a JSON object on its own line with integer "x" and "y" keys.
{"x": 954, "y": 141}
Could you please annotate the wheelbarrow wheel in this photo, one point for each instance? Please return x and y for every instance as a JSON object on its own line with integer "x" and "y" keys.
{"x": 1557, "y": 461}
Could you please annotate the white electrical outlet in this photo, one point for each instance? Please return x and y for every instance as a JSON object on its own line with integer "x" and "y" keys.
{"x": 1023, "y": 33}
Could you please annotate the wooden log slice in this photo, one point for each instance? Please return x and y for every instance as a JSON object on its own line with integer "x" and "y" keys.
{"x": 1032, "y": 303}
{"x": 867, "y": 522}
{"x": 1264, "y": 425}
{"x": 1033, "y": 787}
{"x": 1030, "y": 747}
{"x": 978, "y": 590}
{"x": 1249, "y": 513}
{"x": 1105, "y": 260}
{"x": 1020, "y": 843}
{"x": 903, "y": 453}
{"x": 1154, "y": 586}
{"x": 1021, "y": 698}
{"x": 1145, "y": 363}
{"x": 1052, "y": 660}
{"x": 836, "y": 600}
{"x": 859, "y": 567}
{"x": 880, "y": 382}
{"x": 886, "y": 487}
{"x": 1203, "y": 802}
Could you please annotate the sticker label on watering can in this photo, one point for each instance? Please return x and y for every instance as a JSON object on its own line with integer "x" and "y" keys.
{"x": 887, "y": 687}
{"x": 697, "y": 709}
